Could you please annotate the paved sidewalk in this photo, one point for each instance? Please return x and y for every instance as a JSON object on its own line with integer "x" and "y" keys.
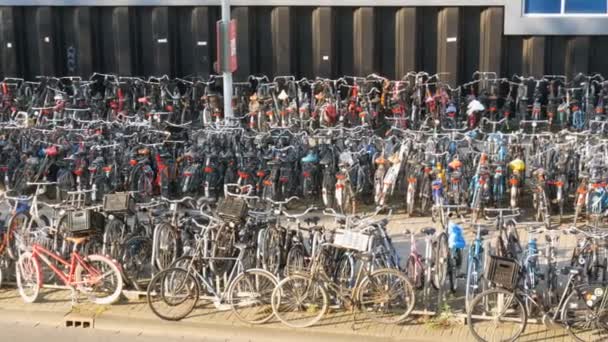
{"x": 206, "y": 320}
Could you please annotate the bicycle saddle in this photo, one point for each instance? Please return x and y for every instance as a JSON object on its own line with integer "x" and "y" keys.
{"x": 240, "y": 246}
{"x": 428, "y": 231}
{"x": 383, "y": 222}
{"x": 484, "y": 232}
{"x": 313, "y": 220}
{"x": 77, "y": 240}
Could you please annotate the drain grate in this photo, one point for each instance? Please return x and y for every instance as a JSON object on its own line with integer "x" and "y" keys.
{"x": 78, "y": 321}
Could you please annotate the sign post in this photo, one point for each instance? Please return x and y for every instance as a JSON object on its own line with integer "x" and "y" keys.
{"x": 228, "y": 54}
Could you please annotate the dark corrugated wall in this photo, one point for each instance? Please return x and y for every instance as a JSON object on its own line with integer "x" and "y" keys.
{"x": 302, "y": 41}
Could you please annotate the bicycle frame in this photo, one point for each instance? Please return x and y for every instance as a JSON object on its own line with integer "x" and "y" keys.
{"x": 40, "y": 253}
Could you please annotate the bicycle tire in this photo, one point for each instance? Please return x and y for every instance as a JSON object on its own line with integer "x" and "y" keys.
{"x": 311, "y": 298}
{"x": 509, "y": 309}
{"x": 472, "y": 282}
{"x": 272, "y": 251}
{"x": 415, "y": 273}
{"x": 575, "y": 306}
{"x": 110, "y": 269}
{"x": 165, "y": 245}
{"x": 112, "y": 239}
{"x": 250, "y": 296}
{"x": 15, "y": 226}
{"x": 137, "y": 252}
{"x": 223, "y": 247}
{"x": 440, "y": 261}
{"x": 173, "y": 287}
{"x": 29, "y": 277}
{"x": 390, "y": 294}
{"x": 295, "y": 260}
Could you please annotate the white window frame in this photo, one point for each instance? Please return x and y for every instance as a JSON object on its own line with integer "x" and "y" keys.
{"x": 562, "y": 12}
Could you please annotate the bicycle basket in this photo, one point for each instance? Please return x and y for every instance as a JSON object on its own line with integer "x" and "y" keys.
{"x": 352, "y": 240}
{"x": 117, "y": 202}
{"x": 83, "y": 222}
{"x": 503, "y": 272}
{"x": 232, "y": 209}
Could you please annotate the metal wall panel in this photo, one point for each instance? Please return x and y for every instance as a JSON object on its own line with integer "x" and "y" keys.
{"x": 303, "y": 41}
{"x": 9, "y": 44}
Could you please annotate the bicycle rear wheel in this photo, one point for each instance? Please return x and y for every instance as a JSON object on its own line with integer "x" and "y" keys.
{"x": 386, "y": 296}
{"x": 582, "y": 323}
{"x": 299, "y": 302}
{"x": 496, "y": 315}
{"x": 100, "y": 279}
{"x": 250, "y": 296}
{"x": 173, "y": 293}
{"x": 29, "y": 278}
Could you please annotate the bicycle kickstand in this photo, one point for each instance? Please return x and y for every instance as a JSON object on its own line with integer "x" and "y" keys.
{"x": 73, "y": 296}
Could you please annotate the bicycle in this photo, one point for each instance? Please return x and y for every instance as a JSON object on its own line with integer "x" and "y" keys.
{"x": 384, "y": 295}
{"x": 177, "y": 289}
{"x": 476, "y": 261}
{"x": 94, "y": 275}
{"x": 506, "y": 307}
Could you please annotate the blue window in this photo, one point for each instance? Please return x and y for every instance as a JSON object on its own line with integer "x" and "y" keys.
{"x": 586, "y": 6}
{"x": 544, "y": 6}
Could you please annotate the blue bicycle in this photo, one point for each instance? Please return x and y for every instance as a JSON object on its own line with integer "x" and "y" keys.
{"x": 479, "y": 253}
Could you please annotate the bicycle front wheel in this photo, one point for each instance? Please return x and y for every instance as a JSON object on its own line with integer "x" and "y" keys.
{"x": 250, "y": 296}
{"x": 442, "y": 254}
{"x": 496, "y": 315}
{"x": 299, "y": 302}
{"x": 386, "y": 296}
{"x": 173, "y": 293}
{"x": 100, "y": 279}
{"x": 29, "y": 277}
{"x": 584, "y": 324}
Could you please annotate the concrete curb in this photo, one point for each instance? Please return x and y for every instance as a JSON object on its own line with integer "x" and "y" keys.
{"x": 226, "y": 331}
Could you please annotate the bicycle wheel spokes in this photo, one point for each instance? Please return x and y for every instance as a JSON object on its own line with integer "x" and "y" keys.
{"x": 496, "y": 316}
{"x": 299, "y": 302}
{"x": 173, "y": 293}
{"x": 28, "y": 276}
{"x": 251, "y": 296}
{"x": 583, "y": 323}
{"x": 386, "y": 296}
{"x": 101, "y": 280}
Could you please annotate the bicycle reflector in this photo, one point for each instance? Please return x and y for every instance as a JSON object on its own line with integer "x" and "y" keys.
{"x": 411, "y": 180}
{"x": 340, "y": 176}
{"x": 107, "y": 169}
{"x": 132, "y": 162}
{"x": 207, "y": 169}
{"x": 306, "y": 174}
{"x": 261, "y": 174}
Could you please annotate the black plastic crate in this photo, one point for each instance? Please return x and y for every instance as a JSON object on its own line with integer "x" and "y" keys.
{"x": 84, "y": 222}
{"x": 117, "y": 202}
{"x": 232, "y": 209}
{"x": 503, "y": 272}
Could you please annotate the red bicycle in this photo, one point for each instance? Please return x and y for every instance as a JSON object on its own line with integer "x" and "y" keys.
{"x": 95, "y": 275}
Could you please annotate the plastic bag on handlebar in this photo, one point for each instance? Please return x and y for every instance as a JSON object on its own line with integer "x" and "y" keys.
{"x": 456, "y": 238}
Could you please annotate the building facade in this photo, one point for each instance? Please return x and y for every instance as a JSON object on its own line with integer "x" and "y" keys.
{"x": 306, "y": 38}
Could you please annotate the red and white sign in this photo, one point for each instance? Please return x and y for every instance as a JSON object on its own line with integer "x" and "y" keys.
{"x": 230, "y": 62}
